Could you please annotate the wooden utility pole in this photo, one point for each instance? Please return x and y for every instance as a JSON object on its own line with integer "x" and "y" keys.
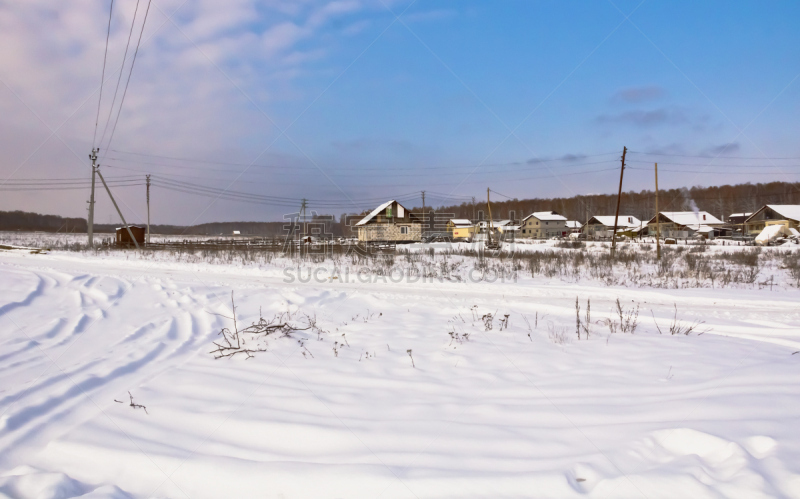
{"x": 619, "y": 197}
{"x": 93, "y": 157}
{"x": 303, "y": 216}
{"x": 473, "y": 209}
{"x": 489, "y": 225}
{"x": 148, "y": 209}
{"x": 658, "y": 217}
{"x": 423, "y": 213}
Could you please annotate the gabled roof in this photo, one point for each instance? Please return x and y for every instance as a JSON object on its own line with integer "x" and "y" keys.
{"x": 689, "y": 218}
{"x": 461, "y": 222}
{"x": 377, "y": 210}
{"x": 574, "y": 224}
{"x": 789, "y": 211}
{"x": 495, "y": 223}
{"x": 546, "y": 216}
{"x": 608, "y": 221}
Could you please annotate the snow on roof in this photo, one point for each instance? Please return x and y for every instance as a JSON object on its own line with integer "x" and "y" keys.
{"x": 700, "y": 228}
{"x": 374, "y": 213}
{"x": 495, "y": 223}
{"x": 791, "y": 211}
{"x": 691, "y": 218}
{"x": 461, "y": 221}
{"x": 546, "y": 215}
{"x": 608, "y": 221}
{"x": 574, "y": 224}
{"x": 740, "y": 214}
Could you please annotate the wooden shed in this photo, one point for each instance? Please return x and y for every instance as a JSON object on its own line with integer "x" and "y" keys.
{"x": 124, "y": 239}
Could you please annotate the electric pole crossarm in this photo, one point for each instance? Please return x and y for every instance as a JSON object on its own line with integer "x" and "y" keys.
{"x": 118, "y": 210}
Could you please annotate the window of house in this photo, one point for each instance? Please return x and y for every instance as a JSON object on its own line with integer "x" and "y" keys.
{"x": 404, "y": 230}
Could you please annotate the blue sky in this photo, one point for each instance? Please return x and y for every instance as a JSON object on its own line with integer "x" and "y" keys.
{"x": 383, "y": 99}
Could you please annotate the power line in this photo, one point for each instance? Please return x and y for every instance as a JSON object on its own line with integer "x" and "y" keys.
{"x": 103, "y": 75}
{"x": 121, "y": 70}
{"x": 526, "y": 164}
{"x": 203, "y": 189}
{"x": 133, "y": 61}
{"x": 716, "y": 165}
{"x": 709, "y": 157}
{"x": 713, "y": 173}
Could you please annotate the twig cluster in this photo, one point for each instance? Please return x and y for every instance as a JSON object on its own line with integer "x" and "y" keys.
{"x": 252, "y": 339}
{"x": 678, "y": 327}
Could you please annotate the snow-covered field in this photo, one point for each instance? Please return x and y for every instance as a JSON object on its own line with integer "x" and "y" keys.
{"x": 416, "y": 388}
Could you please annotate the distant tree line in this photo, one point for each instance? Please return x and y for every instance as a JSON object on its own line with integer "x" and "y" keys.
{"x": 22, "y": 220}
{"x": 720, "y": 201}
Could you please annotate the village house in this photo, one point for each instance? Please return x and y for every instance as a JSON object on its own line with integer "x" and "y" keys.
{"x": 543, "y": 225}
{"x": 574, "y": 226}
{"x": 737, "y": 218}
{"x": 685, "y": 224}
{"x": 773, "y": 214}
{"x": 460, "y": 228}
{"x": 601, "y": 226}
{"x": 390, "y": 222}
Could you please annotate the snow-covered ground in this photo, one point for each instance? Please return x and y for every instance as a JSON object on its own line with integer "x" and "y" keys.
{"x": 512, "y": 405}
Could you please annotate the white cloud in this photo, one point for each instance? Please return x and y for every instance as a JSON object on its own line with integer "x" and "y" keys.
{"x": 178, "y": 102}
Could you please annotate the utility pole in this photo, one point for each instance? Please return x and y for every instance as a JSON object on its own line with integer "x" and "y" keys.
{"x": 93, "y": 157}
{"x": 619, "y": 197}
{"x": 148, "y": 209}
{"x": 473, "y": 207}
{"x": 303, "y": 215}
{"x": 489, "y": 208}
{"x": 658, "y": 217}
{"x": 423, "y": 213}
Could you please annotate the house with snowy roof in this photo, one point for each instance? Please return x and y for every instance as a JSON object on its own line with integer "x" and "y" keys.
{"x": 543, "y": 225}
{"x": 390, "y": 222}
{"x": 773, "y": 214}
{"x": 600, "y": 226}
{"x": 684, "y": 224}
{"x": 460, "y": 228}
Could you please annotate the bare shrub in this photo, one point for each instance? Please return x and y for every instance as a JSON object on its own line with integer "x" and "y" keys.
{"x": 628, "y": 320}
{"x": 557, "y": 334}
{"x": 677, "y": 326}
{"x": 252, "y": 339}
{"x": 569, "y": 244}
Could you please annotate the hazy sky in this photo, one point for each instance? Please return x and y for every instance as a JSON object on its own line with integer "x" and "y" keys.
{"x": 348, "y": 102}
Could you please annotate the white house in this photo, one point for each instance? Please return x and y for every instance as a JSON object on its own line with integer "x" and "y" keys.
{"x": 683, "y": 224}
{"x": 603, "y": 225}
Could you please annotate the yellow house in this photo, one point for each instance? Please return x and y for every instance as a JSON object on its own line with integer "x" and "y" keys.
{"x": 773, "y": 214}
{"x": 460, "y": 228}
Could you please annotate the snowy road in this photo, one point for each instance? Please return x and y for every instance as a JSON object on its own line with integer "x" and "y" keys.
{"x": 506, "y": 412}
